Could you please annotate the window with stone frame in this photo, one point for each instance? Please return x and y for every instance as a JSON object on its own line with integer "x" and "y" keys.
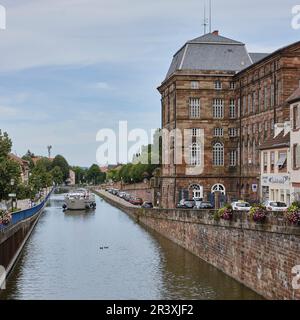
{"x": 296, "y": 117}
{"x": 218, "y": 154}
{"x": 272, "y": 95}
{"x": 232, "y": 85}
{"x": 194, "y": 84}
{"x": 218, "y": 108}
{"x": 254, "y": 102}
{"x": 282, "y": 161}
{"x": 218, "y": 132}
{"x": 218, "y": 85}
{"x": 195, "y": 154}
{"x": 232, "y": 132}
{"x": 249, "y": 104}
{"x": 233, "y": 158}
{"x": 266, "y": 98}
{"x": 254, "y": 152}
{"x": 265, "y": 156}
{"x": 259, "y": 100}
{"x": 296, "y": 156}
{"x": 272, "y": 161}
{"x": 194, "y": 108}
{"x": 232, "y": 109}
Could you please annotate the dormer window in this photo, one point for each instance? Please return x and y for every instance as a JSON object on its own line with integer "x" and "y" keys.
{"x": 218, "y": 85}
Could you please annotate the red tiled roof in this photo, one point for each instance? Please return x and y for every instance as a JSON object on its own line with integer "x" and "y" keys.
{"x": 18, "y": 159}
{"x": 279, "y": 141}
{"x": 294, "y": 97}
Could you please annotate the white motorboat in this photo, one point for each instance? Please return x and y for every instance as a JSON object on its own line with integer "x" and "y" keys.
{"x": 80, "y": 199}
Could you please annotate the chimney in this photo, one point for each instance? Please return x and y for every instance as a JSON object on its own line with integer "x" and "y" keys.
{"x": 216, "y": 33}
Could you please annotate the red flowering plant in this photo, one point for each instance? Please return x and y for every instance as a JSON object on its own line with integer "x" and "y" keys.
{"x": 293, "y": 214}
{"x": 225, "y": 213}
{"x": 258, "y": 213}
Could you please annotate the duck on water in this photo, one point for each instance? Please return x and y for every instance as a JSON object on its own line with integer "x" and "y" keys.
{"x": 80, "y": 199}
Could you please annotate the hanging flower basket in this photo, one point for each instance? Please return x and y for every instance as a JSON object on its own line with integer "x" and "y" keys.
{"x": 258, "y": 213}
{"x": 225, "y": 213}
{"x": 292, "y": 215}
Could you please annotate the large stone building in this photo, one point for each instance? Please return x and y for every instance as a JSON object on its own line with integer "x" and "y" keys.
{"x": 229, "y": 100}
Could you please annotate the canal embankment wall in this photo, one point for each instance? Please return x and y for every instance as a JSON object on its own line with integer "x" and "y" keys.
{"x": 14, "y": 236}
{"x": 258, "y": 255}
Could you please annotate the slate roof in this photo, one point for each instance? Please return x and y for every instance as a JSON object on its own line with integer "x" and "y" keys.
{"x": 294, "y": 97}
{"x": 255, "y": 56}
{"x": 211, "y": 52}
{"x": 280, "y": 141}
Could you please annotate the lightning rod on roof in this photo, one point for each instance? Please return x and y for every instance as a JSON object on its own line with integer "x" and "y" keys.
{"x": 209, "y": 16}
{"x": 205, "y": 22}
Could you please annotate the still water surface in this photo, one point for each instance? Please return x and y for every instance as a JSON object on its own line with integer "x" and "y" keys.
{"x": 63, "y": 259}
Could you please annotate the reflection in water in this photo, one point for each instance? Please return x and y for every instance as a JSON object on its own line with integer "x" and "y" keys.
{"x": 103, "y": 254}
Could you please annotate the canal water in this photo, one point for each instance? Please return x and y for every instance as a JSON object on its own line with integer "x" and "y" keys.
{"x": 104, "y": 254}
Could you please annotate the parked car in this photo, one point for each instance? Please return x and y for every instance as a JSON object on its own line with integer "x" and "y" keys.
{"x": 147, "y": 205}
{"x": 241, "y": 206}
{"x": 122, "y": 194}
{"x": 127, "y": 196}
{"x": 186, "y": 204}
{"x": 275, "y": 205}
{"x": 204, "y": 205}
{"x": 136, "y": 201}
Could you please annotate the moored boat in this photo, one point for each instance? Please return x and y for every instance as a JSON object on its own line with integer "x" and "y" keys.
{"x": 80, "y": 199}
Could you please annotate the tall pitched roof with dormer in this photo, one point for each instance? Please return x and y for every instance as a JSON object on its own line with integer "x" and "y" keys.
{"x": 211, "y": 52}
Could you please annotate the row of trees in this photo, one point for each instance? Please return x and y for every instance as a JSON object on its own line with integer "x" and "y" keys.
{"x": 141, "y": 166}
{"x": 92, "y": 175}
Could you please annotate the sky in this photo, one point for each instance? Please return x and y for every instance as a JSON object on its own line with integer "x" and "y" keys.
{"x": 69, "y": 68}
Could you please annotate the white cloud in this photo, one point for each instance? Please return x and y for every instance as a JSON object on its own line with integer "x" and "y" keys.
{"x": 101, "y": 86}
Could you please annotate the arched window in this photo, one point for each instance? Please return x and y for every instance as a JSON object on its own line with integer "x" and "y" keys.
{"x": 218, "y": 154}
{"x": 218, "y": 188}
{"x": 195, "y": 154}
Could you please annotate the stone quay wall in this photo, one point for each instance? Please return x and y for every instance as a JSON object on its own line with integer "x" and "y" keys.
{"x": 258, "y": 255}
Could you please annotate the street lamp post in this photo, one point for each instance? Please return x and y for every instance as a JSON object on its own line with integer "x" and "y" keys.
{"x": 12, "y": 183}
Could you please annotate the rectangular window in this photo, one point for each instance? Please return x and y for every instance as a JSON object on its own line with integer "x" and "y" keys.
{"x": 265, "y": 161}
{"x": 232, "y": 85}
{"x": 194, "y": 85}
{"x": 253, "y": 101}
{"x": 259, "y": 100}
{"x": 296, "y": 156}
{"x": 296, "y": 121}
{"x": 281, "y": 163}
{"x": 266, "y": 98}
{"x": 218, "y": 108}
{"x": 244, "y": 105}
{"x": 196, "y": 132}
{"x": 233, "y": 158}
{"x": 278, "y": 92}
{"x": 272, "y": 160}
{"x": 218, "y": 132}
{"x": 218, "y": 85}
{"x": 232, "y": 132}
{"x": 194, "y": 108}
{"x": 232, "y": 111}
{"x": 272, "y": 96}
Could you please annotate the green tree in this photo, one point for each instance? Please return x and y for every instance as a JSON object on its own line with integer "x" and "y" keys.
{"x": 44, "y": 163}
{"x": 57, "y": 175}
{"x": 94, "y": 175}
{"x": 80, "y": 174}
{"x": 61, "y": 162}
{"x": 9, "y": 169}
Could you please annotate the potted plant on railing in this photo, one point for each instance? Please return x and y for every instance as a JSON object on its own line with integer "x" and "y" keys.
{"x": 292, "y": 214}
{"x": 258, "y": 213}
{"x": 225, "y": 213}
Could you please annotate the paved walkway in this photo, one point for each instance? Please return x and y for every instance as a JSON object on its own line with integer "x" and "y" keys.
{"x": 116, "y": 198}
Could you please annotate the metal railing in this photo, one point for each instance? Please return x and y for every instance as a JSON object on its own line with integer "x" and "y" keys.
{"x": 24, "y": 214}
